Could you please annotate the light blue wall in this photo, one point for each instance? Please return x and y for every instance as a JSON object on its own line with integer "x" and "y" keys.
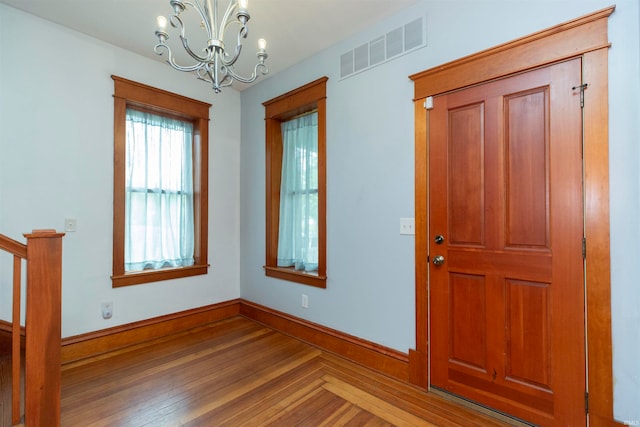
{"x": 370, "y": 290}
{"x": 624, "y": 136}
{"x": 56, "y": 162}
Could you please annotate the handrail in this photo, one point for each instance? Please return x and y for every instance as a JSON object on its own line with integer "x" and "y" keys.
{"x": 43, "y": 255}
{"x": 13, "y": 247}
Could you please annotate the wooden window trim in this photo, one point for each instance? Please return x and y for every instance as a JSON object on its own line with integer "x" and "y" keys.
{"x": 131, "y": 94}
{"x": 284, "y": 107}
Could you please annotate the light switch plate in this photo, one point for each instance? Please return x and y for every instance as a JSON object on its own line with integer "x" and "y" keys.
{"x": 407, "y": 226}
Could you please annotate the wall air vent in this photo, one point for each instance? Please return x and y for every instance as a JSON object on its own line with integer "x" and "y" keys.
{"x": 393, "y": 44}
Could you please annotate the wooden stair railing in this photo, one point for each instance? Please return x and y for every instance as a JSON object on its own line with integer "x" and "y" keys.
{"x": 43, "y": 255}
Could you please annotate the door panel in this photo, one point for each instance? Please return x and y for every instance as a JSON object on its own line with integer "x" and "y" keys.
{"x": 527, "y": 333}
{"x": 505, "y": 191}
{"x": 467, "y": 344}
{"x": 527, "y": 171}
{"x": 466, "y": 198}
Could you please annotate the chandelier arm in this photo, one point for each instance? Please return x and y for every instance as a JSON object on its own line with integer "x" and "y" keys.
{"x": 241, "y": 34}
{"x": 203, "y": 15}
{"x": 201, "y": 11}
{"x": 185, "y": 44}
{"x": 225, "y": 19}
{"x": 171, "y": 60}
{"x": 209, "y": 14}
{"x": 176, "y": 22}
{"x": 260, "y": 67}
{"x": 187, "y": 68}
{"x": 226, "y": 22}
{"x": 227, "y": 80}
{"x": 200, "y": 76}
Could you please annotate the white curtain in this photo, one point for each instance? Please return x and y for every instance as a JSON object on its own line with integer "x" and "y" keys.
{"x": 298, "y": 233}
{"x": 159, "y": 192}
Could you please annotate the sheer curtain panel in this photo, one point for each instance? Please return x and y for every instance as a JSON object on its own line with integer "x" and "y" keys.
{"x": 159, "y": 218}
{"x": 298, "y": 229}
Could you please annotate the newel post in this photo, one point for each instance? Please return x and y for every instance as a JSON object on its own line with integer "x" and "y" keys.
{"x": 43, "y": 328}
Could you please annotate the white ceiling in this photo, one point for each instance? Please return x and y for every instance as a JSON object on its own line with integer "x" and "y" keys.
{"x": 294, "y": 29}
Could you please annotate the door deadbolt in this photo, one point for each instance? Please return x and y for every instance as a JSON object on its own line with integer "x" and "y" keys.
{"x": 439, "y": 239}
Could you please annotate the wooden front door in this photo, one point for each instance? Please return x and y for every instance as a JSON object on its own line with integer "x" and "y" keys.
{"x": 506, "y": 271}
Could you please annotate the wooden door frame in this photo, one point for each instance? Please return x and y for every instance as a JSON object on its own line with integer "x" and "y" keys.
{"x": 585, "y": 38}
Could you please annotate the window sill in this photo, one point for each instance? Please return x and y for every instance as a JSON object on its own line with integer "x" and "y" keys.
{"x": 305, "y": 278}
{"x": 147, "y": 276}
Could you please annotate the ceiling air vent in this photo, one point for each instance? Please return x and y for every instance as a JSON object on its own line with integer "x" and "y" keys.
{"x": 384, "y": 48}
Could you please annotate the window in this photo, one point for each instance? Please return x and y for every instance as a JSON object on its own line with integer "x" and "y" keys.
{"x": 298, "y": 225}
{"x": 160, "y": 185}
{"x": 296, "y": 194}
{"x": 158, "y": 225}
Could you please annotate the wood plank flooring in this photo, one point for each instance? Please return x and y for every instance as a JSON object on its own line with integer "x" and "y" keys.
{"x": 239, "y": 373}
{"x": 5, "y": 389}
{"x": 6, "y": 385}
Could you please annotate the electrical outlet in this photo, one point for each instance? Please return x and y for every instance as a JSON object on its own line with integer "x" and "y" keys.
{"x": 107, "y": 310}
{"x": 70, "y": 224}
{"x": 305, "y": 301}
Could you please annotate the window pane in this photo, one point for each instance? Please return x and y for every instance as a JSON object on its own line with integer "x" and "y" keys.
{"x": 159, "y": 225}
{"x": 298, "y": 233}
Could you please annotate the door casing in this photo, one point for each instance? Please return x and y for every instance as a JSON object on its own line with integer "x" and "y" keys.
{"x": 587, "y": 38}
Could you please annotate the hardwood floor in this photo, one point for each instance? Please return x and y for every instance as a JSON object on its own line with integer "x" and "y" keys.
{"x": 6, "y": 386}
{"x": 5, "y": 389}
{"x": 239, "y": 373}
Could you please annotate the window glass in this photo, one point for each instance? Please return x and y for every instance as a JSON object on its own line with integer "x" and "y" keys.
{"x": 298, "y": 231}
{"x": 159, "y": 229}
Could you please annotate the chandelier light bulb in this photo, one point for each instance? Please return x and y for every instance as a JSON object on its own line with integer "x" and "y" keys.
{"x": 162, "y": 23}
{"x": 243, "y": 4}
{"x": 262, "y": 44}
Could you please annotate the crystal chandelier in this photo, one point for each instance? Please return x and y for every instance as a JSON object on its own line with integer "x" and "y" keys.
{"x": 216, "y": 64}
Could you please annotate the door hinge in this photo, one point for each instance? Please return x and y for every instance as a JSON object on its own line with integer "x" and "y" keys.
{"x": 584, "y": 248}
{"x": 586, "y": 402}
{"x": 582, "y": 88}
